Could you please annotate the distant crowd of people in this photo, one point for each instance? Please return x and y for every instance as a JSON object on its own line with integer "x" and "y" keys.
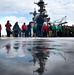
{"x": 45, "y": 30}
{"x": 49, "y": 30}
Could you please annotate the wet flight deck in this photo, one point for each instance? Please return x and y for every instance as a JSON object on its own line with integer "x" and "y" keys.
{"x": 35, "y": 56}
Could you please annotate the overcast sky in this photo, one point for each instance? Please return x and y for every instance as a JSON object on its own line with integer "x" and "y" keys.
{"x": 18, "y": 10}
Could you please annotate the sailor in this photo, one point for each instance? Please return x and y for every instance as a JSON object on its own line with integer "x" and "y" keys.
{"x": 16, "y": 29}
{"x": 8, "y": 28}
{"x": 44, "y": 29}
{"x": 29, "y": 29}
{"x": 24, "y": 28}
{"x": 39, "y": 22}
{"x": 35, "y": 30}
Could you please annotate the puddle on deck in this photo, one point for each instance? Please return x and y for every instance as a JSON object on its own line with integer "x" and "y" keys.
{"x": 37, "y": 57}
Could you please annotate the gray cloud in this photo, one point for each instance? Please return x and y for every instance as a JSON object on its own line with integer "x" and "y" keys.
{"x": 15, "y": 6}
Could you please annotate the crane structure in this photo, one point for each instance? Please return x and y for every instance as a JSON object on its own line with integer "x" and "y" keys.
{"x": 60, "y": 21}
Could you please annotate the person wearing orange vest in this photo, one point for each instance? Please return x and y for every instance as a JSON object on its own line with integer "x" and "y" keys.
{"x": 24, "y": 27}
{"x": 8, "y": 28}
{"x": 0, "y": 29}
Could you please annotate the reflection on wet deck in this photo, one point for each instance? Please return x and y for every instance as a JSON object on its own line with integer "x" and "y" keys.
{"x": 37, "y": 57}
